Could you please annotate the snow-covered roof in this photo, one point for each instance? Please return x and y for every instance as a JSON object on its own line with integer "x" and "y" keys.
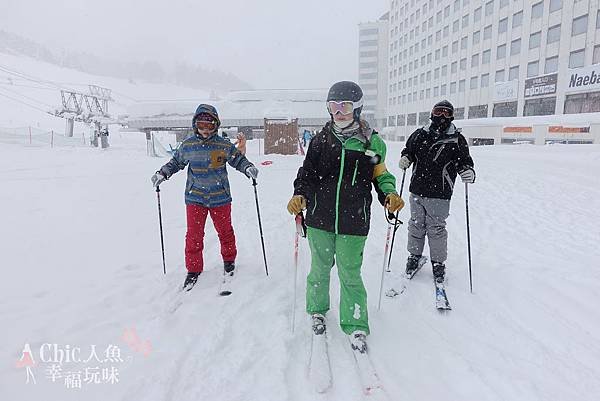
{"x": 237, "y": 108}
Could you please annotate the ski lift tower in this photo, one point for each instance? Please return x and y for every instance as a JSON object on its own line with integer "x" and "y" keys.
{"x": 90, "y": 108}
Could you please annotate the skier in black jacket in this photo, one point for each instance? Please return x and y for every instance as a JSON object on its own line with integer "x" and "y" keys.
{"x": 438, "y": 152}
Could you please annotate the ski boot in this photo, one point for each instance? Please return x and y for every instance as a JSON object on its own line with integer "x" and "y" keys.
{"x": 412, "y": 265}
{"x": 439, "y": 271}
{"x": 318, "y": 324}
{"x": 358, "y": 341}
{"x": 229, "y": 267}
{"x": 190, "y": 280}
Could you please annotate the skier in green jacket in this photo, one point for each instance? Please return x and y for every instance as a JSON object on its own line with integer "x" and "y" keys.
{"x": 344, "y": 160}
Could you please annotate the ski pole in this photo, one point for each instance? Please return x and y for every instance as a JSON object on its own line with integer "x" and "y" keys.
{"x": 162, "y": 241}
{"x": 468, "y": 235}
{"x": 385, "y": 253}
{"x": 396, "y": 225}
{"x": 262, "y": 241}
{"x": 300, "y": 232}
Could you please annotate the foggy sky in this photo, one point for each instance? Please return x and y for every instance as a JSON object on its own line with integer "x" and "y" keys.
{"x": 268, "y": 43}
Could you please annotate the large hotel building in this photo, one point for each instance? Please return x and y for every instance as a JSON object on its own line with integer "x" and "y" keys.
{"x": 495, "y": 58}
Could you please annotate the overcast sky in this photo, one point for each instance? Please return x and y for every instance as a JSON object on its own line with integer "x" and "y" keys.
{"x": 268, "y": 43}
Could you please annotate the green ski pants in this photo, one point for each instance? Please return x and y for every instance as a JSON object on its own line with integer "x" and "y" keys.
{"x": 347, "y": 252}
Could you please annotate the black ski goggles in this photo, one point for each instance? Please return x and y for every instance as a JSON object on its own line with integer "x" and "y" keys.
{"x": 442, "y": 111}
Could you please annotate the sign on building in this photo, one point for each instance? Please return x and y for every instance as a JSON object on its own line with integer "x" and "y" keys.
{"x": 538, "y": 86}
{"x": 584, "y": 78}
{"x": 504, "y": 91}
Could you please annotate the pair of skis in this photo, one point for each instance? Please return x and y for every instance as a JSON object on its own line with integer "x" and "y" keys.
{"x": 441, "y": 299}
{"x": 319, "y": 369}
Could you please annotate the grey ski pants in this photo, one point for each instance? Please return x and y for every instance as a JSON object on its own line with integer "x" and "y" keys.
{"x": 428, "y": 217}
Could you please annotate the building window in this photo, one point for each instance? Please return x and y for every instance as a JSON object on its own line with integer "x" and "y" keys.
{"x": 459, "y": 113}
{"x": 368, "y": 43}
{"x": 582, "y": 103}
{"x": 424, "y": 117}
{"x": 505, "y": 109}
{"x": 499, "y": 76}
{"x": 500, "y": 52}
{"x": 463, "y": 64}
{"x": 429, "y": 58}
{"x": 485, "y": 56}
{"x": 596, "y": 57}
{"x": 455, "y": 26}
{"x": 411, "y": 119}
{"x": 579, "y": 25}
{"x": 445, "y": 51}
{"x": 465, "y": 21}
{"x": 553, "y": 34}
{"x": 443, "y": 90}
{"x": 456, "y": 5}
{"x": 401, "y": 120}
{"x": 461, "y": 85}
{"x": 436, "y": 91}
{"x": 444, "y": 70}
{"x": 503, "y": 3}
{"x": 438, "y": 53}
{"x": 515, "y": 47}
{"x": 455, "y": 46}
{"x": 464, "y": 43}
{"x": 473, "y": 84}
{"x": 517, "y": 19}
{"x": 598, "y": 19}
{"x": 452, "y": 87}
{"x": 485, "y": 80}
{"x": 480, "y": 111}
{"x": 551, "y": 65}
{"x": 503, "y": 25}
{"x": 446, "y": 31}
{"x": 576, "y": 58}
{"x": 476, "y": 37}
{"x": 489, "y": 8}
{"x": 544, "y": 106}
{"x": 438, "y": 17}
{"x": 453, "y": 67}
{"x": 391, "y": 121}
{"x": 513, "y": 73}
{"x": 533, "y": 69}
{"x": 446, "y": 11}
{"x": 537, "y": 10}
{"x": 438, "y": 36}
{"x": 487, "y": 32}
{"x": 428, "y": 76}
{"x": 555, "y": 5}
{"x": 475, "y": 60}
{"x": 535, "y": 39}
{"x": 436, "y": 73}
{"x": 477, "y": 15}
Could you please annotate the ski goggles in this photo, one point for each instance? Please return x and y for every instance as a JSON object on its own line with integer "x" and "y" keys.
{"x": 344, "y": 107}
{"x": 205, "y": 122}
{"x": 442, "y": 111}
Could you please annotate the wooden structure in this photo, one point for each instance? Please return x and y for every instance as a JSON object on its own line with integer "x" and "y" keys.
{"x": 281, "y": 136}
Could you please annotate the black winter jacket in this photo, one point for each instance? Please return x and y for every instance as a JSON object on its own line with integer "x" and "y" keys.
{"x": 437, "y": 157}
{"x": 337, "y": 178}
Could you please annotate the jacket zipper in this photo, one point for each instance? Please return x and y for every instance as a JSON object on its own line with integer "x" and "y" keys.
{"x": 355, "y": 171}
{"x": 339, "y": 186}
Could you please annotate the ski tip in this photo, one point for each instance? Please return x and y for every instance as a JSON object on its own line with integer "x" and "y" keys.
{"x": 225, "y": 293}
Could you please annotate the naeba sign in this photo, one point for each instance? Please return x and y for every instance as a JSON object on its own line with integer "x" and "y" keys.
{"x": 584, "y": 78}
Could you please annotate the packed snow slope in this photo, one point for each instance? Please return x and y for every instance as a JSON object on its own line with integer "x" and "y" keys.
{"x": 81, "y": 266}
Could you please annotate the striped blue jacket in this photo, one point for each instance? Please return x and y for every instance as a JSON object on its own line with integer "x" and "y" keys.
{"x": 207, "y": 182}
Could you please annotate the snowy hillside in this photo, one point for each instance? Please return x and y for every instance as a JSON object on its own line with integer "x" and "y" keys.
{"x": 81, "y": 267}
{"x": 29, "y": 87}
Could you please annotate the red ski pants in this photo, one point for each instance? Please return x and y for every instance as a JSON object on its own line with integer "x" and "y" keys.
{"x": 194, "y": 238}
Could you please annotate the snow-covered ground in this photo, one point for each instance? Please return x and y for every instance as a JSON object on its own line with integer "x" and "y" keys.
{"x": 81, "y": 267}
